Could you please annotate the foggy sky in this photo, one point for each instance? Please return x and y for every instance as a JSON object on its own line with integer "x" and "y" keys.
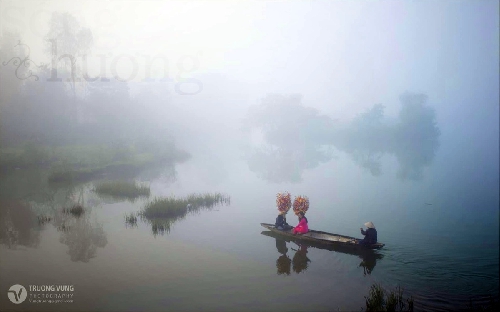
{"x": 341, "y": 56}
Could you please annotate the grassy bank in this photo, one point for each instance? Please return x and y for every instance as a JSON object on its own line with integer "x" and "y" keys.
{"x": 85, "y": 162}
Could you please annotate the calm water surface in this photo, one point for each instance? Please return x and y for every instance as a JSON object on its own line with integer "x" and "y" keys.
{"x": 442, "y": 254}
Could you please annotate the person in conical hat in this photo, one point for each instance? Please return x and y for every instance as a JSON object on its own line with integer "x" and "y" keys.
{"x": 369, "y": 225}
{"x": 370, "y": 234}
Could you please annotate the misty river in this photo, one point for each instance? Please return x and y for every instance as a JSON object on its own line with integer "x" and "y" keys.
{"x": 143, "y": 143}
{"x": 219, "y": 260}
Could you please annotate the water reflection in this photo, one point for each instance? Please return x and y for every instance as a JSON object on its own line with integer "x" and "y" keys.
{"x": 296, "y": 138}
{"x": 283, "y": 263}
{"x": 300, "y": 262}
{"x": 81, "y": 234}
{"x": 284, "y": 164}
{"x": 160, "y": 226}
{"x": 18, "y": 225}
{"x": 369, "y": 260}
{"x": 65, "y": 209}
{"x": 83, "y": 237}
{"x": 166, "y": 173}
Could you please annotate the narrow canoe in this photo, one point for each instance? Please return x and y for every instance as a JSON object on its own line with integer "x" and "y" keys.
{"x": 324, "y": 238}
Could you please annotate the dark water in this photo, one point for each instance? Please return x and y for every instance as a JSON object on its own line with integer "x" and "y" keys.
{"x": 440, "y": 248}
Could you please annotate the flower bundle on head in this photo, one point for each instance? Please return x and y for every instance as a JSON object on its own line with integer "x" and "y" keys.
{"x": 283, "y": 201}
{"x": 300, "y": 203}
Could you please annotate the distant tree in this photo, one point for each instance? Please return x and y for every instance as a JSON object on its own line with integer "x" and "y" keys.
{"x": 39, "y": 112}
{"x": 301, "y": 138}
{"x": 66, "y": 41}
{"x": 285, "y": 121}
{"x": 10, "y": 84}
{"x": 413, "y": 138}
{"x": 416, "y": 135}
{"x": 296, "y": 135}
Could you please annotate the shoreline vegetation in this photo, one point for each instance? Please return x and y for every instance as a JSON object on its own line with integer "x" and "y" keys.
{"x": 381, "y": 299}
{"x": 80, "y": 163}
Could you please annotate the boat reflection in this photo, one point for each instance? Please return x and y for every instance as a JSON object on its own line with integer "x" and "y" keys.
{"x": 284, "y": 264}
{"x": 300, "y": 261}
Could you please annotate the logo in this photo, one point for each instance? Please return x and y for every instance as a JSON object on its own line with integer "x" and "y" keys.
{"x": 17, "y": 293}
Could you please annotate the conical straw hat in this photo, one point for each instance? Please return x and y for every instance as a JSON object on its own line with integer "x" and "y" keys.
{"x": 369, "y": 225}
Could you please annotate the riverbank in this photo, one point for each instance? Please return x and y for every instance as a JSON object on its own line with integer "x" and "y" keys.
{"x": 80, "y": 163}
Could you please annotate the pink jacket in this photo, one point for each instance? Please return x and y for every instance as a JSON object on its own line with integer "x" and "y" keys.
{"x": 302, "y": 227}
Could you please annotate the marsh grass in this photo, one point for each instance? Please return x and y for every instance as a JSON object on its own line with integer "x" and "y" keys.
{"x": 122, "y": 189}
{"x": 75, "y": 210}
{"x": 172, "y": 207}
{"x": 162, "y": 213}
{"x": 382, "y": 300}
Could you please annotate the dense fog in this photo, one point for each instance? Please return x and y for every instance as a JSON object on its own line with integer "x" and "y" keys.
{"x": 285, "y": 86}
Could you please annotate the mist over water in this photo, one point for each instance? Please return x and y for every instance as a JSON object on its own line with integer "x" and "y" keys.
{"x": 383, "y": 112}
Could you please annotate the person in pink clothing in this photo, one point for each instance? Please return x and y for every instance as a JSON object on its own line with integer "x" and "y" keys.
{"x": 302, "y": 227}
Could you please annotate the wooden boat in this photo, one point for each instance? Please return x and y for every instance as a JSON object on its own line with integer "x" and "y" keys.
{"x": 324, "y": 238}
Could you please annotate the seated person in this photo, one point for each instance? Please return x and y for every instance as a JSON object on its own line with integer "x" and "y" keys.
{"x": 281, "y": 222}
{"x": 302, "y": 227}
{"x": 370, "y": 234}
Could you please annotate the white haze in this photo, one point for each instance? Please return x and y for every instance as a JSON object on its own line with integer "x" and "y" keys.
{"x": 341, "y": 56}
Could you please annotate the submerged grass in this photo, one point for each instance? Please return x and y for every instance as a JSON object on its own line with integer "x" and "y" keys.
{"x": 122, "y": 189}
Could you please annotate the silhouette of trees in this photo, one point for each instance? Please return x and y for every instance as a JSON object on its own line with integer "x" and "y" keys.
{"x": 299, "y": 138}
{"x": 296, "y": 138}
